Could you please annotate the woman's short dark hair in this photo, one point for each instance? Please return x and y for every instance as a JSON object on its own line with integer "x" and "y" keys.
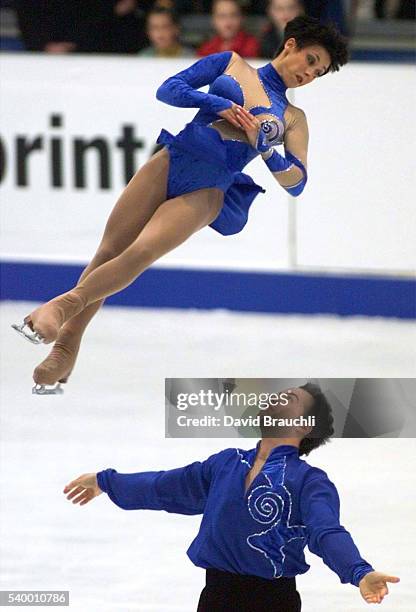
{"x": 323, "y": 429}
{"x": 310, "y": 31}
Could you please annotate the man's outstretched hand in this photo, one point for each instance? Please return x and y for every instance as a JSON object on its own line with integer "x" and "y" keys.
{"x": 83, "y": 489}
{"x": 373, "y": 587}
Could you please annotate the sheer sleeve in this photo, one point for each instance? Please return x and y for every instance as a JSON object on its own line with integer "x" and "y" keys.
{"x": 182, "y": 88}
{"x": 290, "y": 171}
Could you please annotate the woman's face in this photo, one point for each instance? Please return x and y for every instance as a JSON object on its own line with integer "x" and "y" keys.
{"x": 301, "y": 66}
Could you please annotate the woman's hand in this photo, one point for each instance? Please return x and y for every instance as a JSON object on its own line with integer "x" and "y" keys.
{"x": 244, "y": 120}
{"x": 250, "y": 124}
{"x": 373, "y": 587}
{"x": 83, "y": 489}
{"x": 231, "y": 115}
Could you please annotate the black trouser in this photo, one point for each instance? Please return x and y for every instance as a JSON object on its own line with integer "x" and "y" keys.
{"x": 227, "y": 592}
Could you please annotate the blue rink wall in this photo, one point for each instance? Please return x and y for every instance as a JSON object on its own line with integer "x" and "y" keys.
{"x": 241, "y": 291}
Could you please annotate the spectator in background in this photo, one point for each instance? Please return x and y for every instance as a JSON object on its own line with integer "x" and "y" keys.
{"x": 406, "y": 10}
{"x": 398, "y": 9}
{"x": 256, "y": 7}
{"x": 180, "y": 7}
{"x": 227, "y": 19}
{"x": 47, "y": 26}
{"x": 126, "y": 25}
{"x": 328, "y": 11}
{"x": 163, "y": 29}
{"x": 90, "y": 26}
{"x": 280, "y": 12}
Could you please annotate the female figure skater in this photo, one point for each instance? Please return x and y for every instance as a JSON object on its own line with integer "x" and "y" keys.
{"x": 196, "y": 179}
{"x": 260, "y": 509}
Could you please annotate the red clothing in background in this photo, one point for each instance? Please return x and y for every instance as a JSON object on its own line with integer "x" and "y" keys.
{"x": 244, "y": 44}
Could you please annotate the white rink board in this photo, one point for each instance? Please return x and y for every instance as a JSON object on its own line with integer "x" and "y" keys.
{"x": 356, "y": 213}
{"x": 360, "y": 199}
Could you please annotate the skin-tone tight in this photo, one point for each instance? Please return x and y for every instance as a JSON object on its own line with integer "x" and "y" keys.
{"x": 142, "y": 227}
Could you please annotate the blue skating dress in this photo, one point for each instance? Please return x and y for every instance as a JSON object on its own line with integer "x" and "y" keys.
{"x": 202, "y": 156}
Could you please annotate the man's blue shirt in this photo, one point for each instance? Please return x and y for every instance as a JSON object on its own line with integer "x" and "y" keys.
{"x": 262, "y": 531}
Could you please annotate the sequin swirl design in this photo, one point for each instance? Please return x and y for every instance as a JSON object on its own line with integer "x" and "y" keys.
{"x": 264, "y": 505}
{"x": 270, "y": 504}
{"x": 273, "y": 130}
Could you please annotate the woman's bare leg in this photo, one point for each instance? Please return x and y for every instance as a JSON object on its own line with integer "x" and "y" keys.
{"x": 139, "y": 200}
{"x": 172, "y": 223}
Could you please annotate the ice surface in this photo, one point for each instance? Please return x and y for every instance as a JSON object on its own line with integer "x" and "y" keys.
{"x": 112, "y": 415}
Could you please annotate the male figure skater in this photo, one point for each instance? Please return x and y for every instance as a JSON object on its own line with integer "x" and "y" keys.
{"x": 260, "y": 509}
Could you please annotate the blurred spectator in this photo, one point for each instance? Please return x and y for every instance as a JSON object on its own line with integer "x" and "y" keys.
{"x": 227, "y": 19}
{"x": 90, "y": 26}
{"x": 126, "y": 24}
{"x": 180, "y": 6}
{"x": 406, "y": 10}
{"x": 400, "y": 9}
{"x": 257, "y": 7}
{"x": 328, "y": 10}
{"x": 279, "y": 13}
{"x": 163, "y": 29}
{"x": 46, "y": 25}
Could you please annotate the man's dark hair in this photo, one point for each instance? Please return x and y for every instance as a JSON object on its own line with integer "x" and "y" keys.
{"x": 309, "y": 31}
{"x": 323, "y": 429}
{"x": 161, "y": 10}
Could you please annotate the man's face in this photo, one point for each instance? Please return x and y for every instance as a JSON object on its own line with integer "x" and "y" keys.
{"x": 298, "y": 404}
{"x": 227, "y": 19}
{"x": 283, "y": 11}
{"x": 161, "y": 31}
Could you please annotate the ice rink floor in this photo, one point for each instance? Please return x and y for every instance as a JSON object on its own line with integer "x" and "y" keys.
{"x": 112, "y": 415}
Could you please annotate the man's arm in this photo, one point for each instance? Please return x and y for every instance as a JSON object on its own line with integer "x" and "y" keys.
{"x": 181, "y": 490}
{"x": 326, "y": 537}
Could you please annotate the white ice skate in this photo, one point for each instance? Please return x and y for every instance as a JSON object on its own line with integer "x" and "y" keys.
{"x": 33, "y": 336}
{"x": 55, "y": 389}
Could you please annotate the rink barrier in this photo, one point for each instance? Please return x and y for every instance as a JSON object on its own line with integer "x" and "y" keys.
{"x": 290, "y": 293}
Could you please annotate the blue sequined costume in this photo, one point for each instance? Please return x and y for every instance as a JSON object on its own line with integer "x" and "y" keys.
{"x": 200, "y": 156}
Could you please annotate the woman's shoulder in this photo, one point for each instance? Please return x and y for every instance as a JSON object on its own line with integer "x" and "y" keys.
{"x": 239, "y": 63}
{"x": 294, "y": 115}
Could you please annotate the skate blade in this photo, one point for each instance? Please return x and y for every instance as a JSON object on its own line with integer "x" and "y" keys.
{"x": 47, "y": 389}
{"x": 30, "y": 335}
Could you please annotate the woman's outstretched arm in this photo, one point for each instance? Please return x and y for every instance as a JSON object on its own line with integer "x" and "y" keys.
{"x": 181, "y": 490}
